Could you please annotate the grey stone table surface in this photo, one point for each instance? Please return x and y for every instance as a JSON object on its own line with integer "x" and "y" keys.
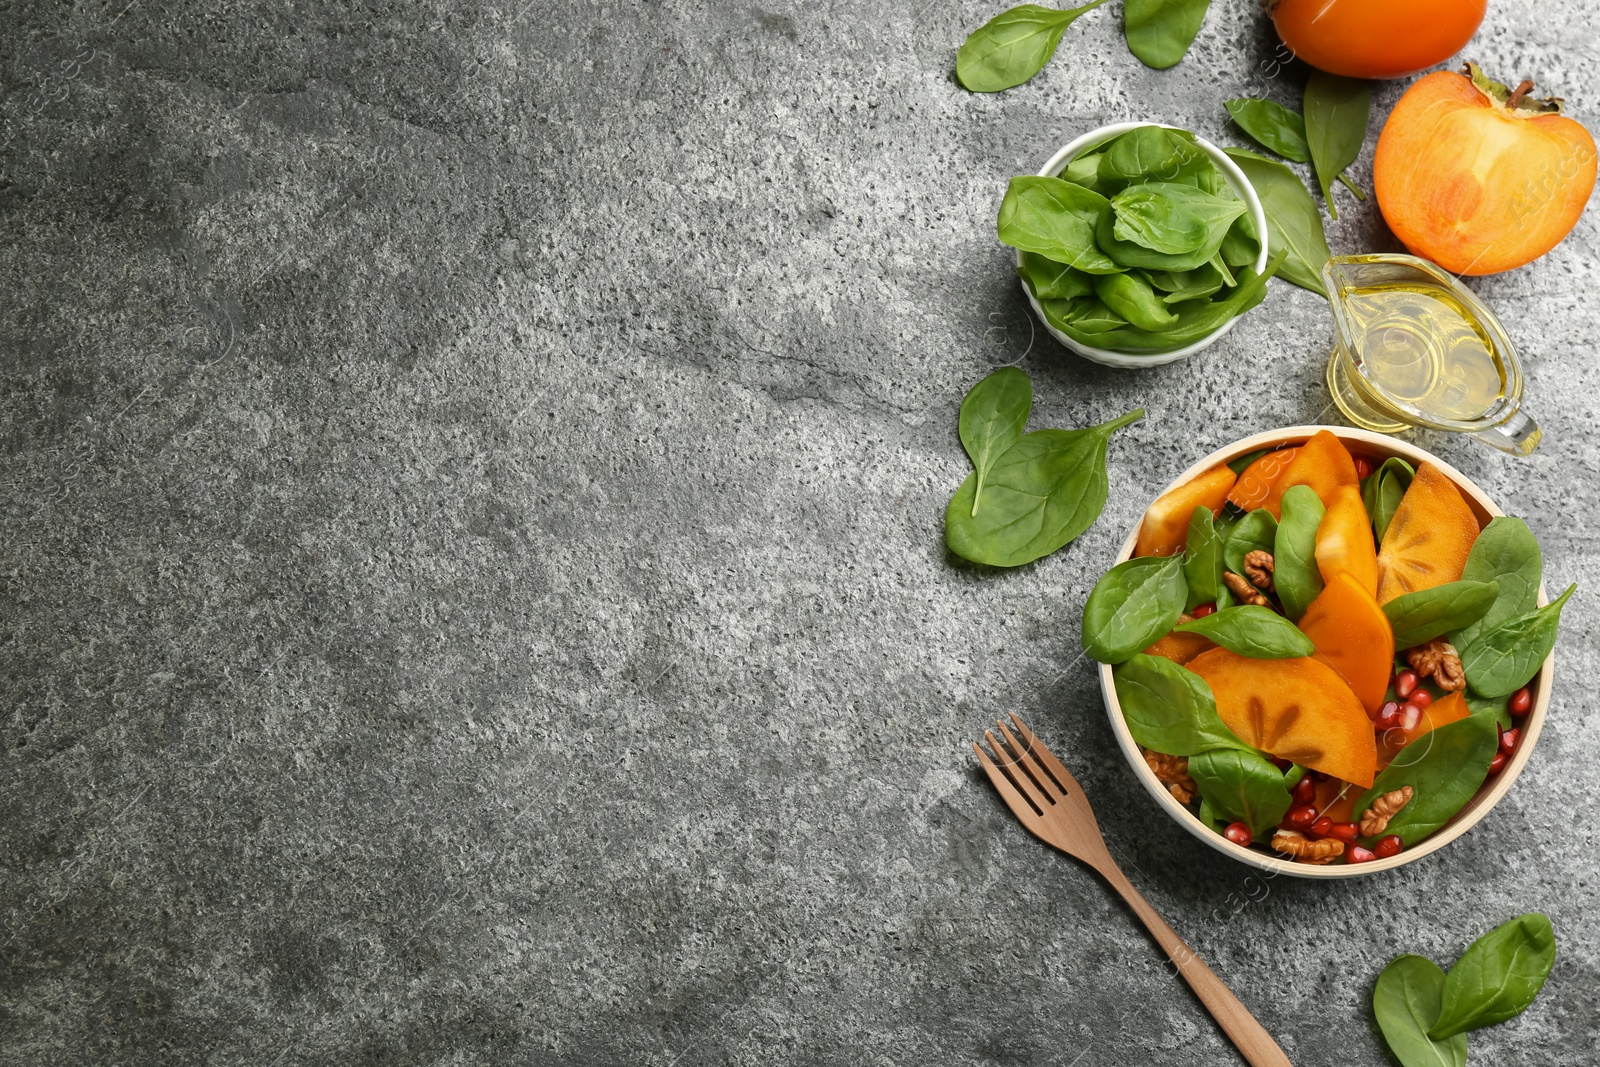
{"x": 472, "y": 576}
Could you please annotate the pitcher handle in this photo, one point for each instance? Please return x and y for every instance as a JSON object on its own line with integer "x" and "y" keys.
{"x": 1519, "y": 434}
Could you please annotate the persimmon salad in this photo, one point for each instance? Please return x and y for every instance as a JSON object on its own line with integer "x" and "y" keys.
{"x": 1324, "y": 653}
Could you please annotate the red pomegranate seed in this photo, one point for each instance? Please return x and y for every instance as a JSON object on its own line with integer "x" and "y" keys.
{"x": 1498, "y": 762}
{"x": 1344, "y": 831}
{"x": 1420, "y": 697}
{"x": 1388, "y": 717}
{"x": 1404, "y": 683}
{"x": 1305, "y": 790}
{"x": 1363, "y": 467}
{"x": 1357, "y": 854}
{"x": 1301, "y": 816}
{"x": 1521, "y": 701}
{"x": 1322, "y": 826}
{"x": 1388, "y": 846}
{"x": 1238, "y": 833}
{"x": 1410, "y": 716}
{"x": 1202, "y": 610}
{"x": 1509, "y": 739}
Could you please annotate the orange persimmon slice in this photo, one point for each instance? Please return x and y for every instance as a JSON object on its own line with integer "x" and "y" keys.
{"x": 1429, "y": 537}
{"x": 1353, "y": 636}
{"x": 1296, "y": 709}
{"x": 1180, "y": 648}
{"x": 1323, "y": 463}
{"x": 1344, "y": 540}
{"x": 1166, "y": 524}
{"x": 1255, "y": 483}
{"x": 1449, "y": 708}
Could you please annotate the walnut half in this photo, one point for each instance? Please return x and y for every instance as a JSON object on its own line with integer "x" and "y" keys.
{"x": 1258, "y": 568}
{"x": 1172, "y": 772}
{"x": 1304, "y": 849}
{"x": 1440, "y": 659}
{"x": 1243, "y": 591}
{"x": 1375, "y": 820}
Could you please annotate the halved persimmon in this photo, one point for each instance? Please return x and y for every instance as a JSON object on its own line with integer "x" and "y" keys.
{"x": 1166, "y": 522}
{"x": 1323, "y": 463}
{"x": 1296, "y": 709}
{"x": 1429, "y": 537}
{"x": 1180, "y": 648}
{"x": 1255, "y": 483}
{"x": 1353, "y": 636}
{"x": 1344, "y": 540}
{"x": 1452, "y": 707}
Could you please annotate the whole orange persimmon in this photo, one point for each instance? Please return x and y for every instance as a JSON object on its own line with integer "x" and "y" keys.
{"x": 1480, "y": 178}
{"x": 1375, "y": 38}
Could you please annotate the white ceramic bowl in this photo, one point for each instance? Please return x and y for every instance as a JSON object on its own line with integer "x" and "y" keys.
{"x": 1235, "y": 178}
{"x": 1382, "y": 447}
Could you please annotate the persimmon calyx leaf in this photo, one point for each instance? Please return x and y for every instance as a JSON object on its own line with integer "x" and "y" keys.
{"x": 1516, "y": 101}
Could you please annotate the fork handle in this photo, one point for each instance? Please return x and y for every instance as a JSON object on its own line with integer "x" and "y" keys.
{"x": 1248, "y": 1036}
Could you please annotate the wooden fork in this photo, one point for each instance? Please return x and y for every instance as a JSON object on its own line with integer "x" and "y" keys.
{"x": 1052, "y": 805}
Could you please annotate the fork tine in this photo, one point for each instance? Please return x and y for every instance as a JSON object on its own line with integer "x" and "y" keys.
{"x": 1008, "y": 792}
{"x": 1062, "y": 776}
{"x": 1018, "y": 775}
{"x": 1021, "y": 755}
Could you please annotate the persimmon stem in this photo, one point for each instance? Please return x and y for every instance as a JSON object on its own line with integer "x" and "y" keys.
{"x": 1514, "y": 101}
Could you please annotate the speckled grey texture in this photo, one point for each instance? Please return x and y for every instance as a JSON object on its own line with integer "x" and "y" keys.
{"x": 471, "y": 568}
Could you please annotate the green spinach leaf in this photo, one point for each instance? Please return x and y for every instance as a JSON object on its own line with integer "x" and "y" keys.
{"x": 1256, "y": 632}
{"x": 1336, "y": 110}
{"x": 1086, "y": 315}
{"x": 1497, "y": 977}
{"x": 1159, "y": 32}
{"x": 1444, "y": 767}
{"x": 993, "y": 416}
{"x": 1419, "y": 617}
{"x": 1295, "y": 573}
{"x": 1505, "y": 658}
{"x": 1152, "y": 153}
{"x": 1497, "y": 707}
{"x": 1272, "y": 126}
{"x": 1505, "y": 552}
{"x": 1056, "y": 219}
{"x": 1049, "y": 280}
{"x": 1083, "y": 169}
{"x": 1241, "y": 785}
{"x": 1202, "y": 559}
{"x": 1044, "y": 491}
{"x": 1258, "y": 529}
{"x": 1241, "y": 245}
{"x": 1197, "y": 319}
{"x": 1013, "y": 46}
{"x": 1382, "y": 491}
{"x": 1294, "y": 225}
{"x": 1132, "y": 606}
{"x": 1406, "y": 1001}
{"x": 1205, "y": 280}
{"x": 1134, "y": 300}
{"x": 1172, "y": 218}
{"x": 1170, "y": 709}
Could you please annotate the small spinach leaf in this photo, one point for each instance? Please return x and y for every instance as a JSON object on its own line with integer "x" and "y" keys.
{"x": 1241, "y": 245}
{"x": 1056, "y": 219}
{"x": 1049, "y": 280}
{"x": 1256, "y": 530}
{"x": 1134, "y": 300}
{"x": 1044, "y": 491}
{"x": 1505, "y": 552}
{"x": 1159, "y": 32}
{"x": 1132, "y": 606}
{"x": 1295, "y": 574}
{"x": 1294, "y": 225}
{"x": 993, "y": 416}
{"x": 1419, "y": 617}
{"x": 1170, "y": 709}
{"x": 1272, "y": 126}
{"x": 1497, "y": 977}
{"x": 1013, "y": 46}
{"x": 1381, "y": 492}
{"x": 1202, "y": 559}
{"x": 1256, "y": 632}
{"x": 1241, "y": 785}
{"x": 1083, "y": 169}
{"x": 1086, "y": 315}
{"x": 1444, "y": 767}
{"x": 1336, "y": 110}
{"x": 1406, "y": 1002}
{"x": 1178, "y": 285}
{"x": 1505, "y": 658}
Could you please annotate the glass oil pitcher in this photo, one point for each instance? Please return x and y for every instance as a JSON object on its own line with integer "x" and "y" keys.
{"x": 1416, "y": 348}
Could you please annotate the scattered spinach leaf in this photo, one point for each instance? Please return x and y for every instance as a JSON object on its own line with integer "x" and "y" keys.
{"x": 1013, "y": 46}
{"x": 993, "y": 416}
{"x": 1505, "y": 658}
{"x": 1258, "y": 529}
{"x": 1159, "y": 32}
{"x": 1336, "y": 111}
{"x": 1202, "y": 559}
{"x": 1406, "y": 1001}
{"x": 1056, "y": 219}
{"x": 1170, "y": 709}
{"x": 1256, "y": 632}
{"x": 1295, "y": 573}
{"x": 1445, "y": 767}
{"x": 1132, "y": 606}
{"x": 1505, "y": 552}
{"x": 1294, "y": 225}
{"x": 1497, "y": 977}
{"x": 1428, "y": 613}
{"x": 1272, "y": 126}
{"x": 1241, "y": 785}
{"x": 1044, "y": 491}
{"x": 1382, "y": 490}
